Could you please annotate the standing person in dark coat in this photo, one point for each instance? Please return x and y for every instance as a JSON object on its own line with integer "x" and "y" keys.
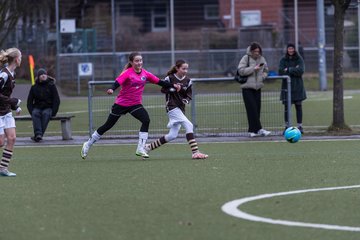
{"x": 43, "y": 103}
{"x": 292, "y": 65}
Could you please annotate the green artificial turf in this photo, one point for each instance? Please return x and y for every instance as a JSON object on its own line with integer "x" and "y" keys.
{"x": 115, "y": 195}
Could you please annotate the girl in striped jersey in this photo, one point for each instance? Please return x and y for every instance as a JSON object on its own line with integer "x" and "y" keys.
{"x": 129, "y": 100}
{"x": 9, "y": 60}
{"x": 175, "y": 108}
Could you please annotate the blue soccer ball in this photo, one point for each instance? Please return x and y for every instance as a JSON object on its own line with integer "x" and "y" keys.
{"x": 292, "y": 134}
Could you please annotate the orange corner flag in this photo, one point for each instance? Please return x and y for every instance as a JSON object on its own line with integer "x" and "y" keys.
{"x": 32, "y": 65}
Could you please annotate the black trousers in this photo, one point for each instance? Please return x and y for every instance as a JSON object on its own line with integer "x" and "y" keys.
{"x": 137, "y": 111}
{"x": 252, "y": 100}
{"x": 299, "y": 114}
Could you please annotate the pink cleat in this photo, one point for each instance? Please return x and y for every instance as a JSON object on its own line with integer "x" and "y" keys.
{"x": 199, "y": 155}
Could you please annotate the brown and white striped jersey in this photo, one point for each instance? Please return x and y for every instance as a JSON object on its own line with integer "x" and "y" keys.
{"x": 7, "y": 84}
{"x": 176, "y": 99}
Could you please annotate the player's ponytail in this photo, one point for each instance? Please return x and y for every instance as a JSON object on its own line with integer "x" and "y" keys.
{"x": 3, "y": 58}
{"x": 9, "y": 55}
{"x": 177, "y": 65}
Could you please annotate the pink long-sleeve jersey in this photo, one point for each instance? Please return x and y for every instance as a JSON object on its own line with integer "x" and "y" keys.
{"x": 132, "y": 86}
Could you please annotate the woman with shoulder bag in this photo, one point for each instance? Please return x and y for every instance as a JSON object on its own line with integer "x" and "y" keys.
{"x": 253, "y": 65}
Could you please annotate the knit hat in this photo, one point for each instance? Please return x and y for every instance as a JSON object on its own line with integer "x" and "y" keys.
{"x": 41, "y": 71}
{"x": 290, "y": 45}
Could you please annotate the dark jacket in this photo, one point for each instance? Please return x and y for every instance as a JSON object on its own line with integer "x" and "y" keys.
{"x": 44, "y": 95}
{"x": 295, "y": 69}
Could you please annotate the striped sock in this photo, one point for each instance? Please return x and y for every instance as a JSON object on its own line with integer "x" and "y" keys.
{"x": 5, "y": 160}
{"x": 192, "y": 142}
{"x": 157, "y": 143}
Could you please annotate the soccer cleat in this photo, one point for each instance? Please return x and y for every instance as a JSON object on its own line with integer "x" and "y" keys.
{"x": 147, "y": 148}
{"x": 199, "y": 155}
{"x": 4, "y": 172}
{"x": 84, "y": 150}
{"x": 264, "y": 132}
{"x": 141, "y": 153}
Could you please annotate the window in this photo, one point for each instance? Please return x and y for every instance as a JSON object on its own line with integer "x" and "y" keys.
{"x": 159, "y": 18}
{"x": 250, "y": 18}
{"x": 126, "y": 9}
{"x": 211, "y": 12}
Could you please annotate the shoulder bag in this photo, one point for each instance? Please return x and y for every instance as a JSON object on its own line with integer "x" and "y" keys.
{"x": 241, "y": 79}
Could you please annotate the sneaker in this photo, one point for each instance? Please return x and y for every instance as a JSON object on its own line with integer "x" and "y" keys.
{"x": 264, "y": 132}
{"x": 301, "y": 129}
{"x": 84, "y": 150}
{"x": 6, "y": 173}
{"x": 36, "y": 138}
{"x": 199, "y": 155}
{"x": 252, "y": 134}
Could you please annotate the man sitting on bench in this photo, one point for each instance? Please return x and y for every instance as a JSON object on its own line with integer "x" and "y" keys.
{"x": 43, "y": 103}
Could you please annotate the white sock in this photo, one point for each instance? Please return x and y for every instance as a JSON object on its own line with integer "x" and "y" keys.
{"x": 94, "y": 137}
{"x": 143, "y": 136}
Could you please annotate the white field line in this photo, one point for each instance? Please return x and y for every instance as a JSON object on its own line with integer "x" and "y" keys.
{"x": 232, "y": 208}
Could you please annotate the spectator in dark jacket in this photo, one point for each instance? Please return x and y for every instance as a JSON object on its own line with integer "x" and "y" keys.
{"x": 43, "y": 103}
{"x": 292, "y": 65}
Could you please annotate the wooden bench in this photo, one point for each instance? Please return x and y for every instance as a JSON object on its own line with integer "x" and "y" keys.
{"x": 65, "y": 124}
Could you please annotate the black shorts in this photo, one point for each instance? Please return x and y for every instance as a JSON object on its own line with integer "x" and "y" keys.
{"x": 118, "y": 110}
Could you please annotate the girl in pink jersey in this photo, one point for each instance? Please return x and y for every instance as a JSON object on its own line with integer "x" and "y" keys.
{"x": 132, "y": 81}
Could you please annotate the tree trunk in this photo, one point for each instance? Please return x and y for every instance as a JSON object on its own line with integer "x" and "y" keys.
{"x": 338, "y": 123}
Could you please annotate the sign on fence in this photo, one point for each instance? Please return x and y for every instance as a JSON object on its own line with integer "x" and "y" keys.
{"x": 84, "y": 70}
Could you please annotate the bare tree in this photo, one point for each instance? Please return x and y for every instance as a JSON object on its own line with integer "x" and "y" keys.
{"x": 12, "y": 11}
{"x": 9, "y": 16}
{"x": 338, "y": 123}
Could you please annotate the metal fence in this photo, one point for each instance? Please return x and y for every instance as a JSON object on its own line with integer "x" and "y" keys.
{"x": 217, "y": 109}
{"x": 207, "y": 64}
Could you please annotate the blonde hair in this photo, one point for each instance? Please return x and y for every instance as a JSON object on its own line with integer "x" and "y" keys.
{"x": 9, "y": 55}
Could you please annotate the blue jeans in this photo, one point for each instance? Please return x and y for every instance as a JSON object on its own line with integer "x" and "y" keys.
{"x": 40, "y": 119}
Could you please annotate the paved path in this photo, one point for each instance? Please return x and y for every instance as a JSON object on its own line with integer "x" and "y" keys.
{"x": 78, "y": 140}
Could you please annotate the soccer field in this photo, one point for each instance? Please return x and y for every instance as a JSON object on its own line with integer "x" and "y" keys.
{"x": 114, "y": 195}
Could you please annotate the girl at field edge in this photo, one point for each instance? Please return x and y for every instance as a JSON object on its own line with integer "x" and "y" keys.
{"x": 10, "y": 60}
{"x": 132, "y": 81}
{"x": 175, "y": 108}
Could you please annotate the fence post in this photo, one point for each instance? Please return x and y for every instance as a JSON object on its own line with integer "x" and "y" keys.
{"x": 193, "y": 106}
{"x": 90, "y": 93}
{"x": 288, "y": 83}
